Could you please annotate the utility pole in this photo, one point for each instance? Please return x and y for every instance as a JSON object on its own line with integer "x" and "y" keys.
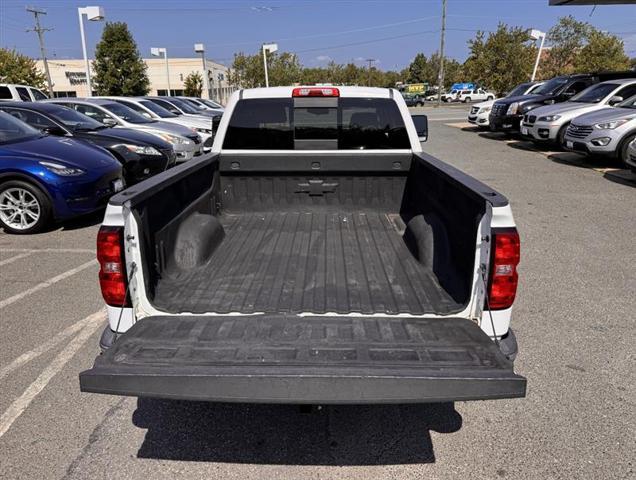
{"x": 40, "y": 31}
{"x": 440, "y": 78}
{"x": 370, "y": 60}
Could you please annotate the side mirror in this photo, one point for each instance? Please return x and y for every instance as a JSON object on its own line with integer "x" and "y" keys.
{"x": 616, "y": 99}
{"x": 110, "y": 122}
{"x": 54, "y": 130}
{"x": 421, "y": 126}
{"x": 147, "y": 115}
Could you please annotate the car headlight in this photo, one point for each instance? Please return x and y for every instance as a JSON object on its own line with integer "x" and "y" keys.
{"x": 549, "y": 118}
{"x": 611, "y": 125}
{"x": 62, "y": 170}
{"x": 485, "y": 110}
{"x": 512, "y": 109}
{"x": 140, "y": 149}
{"x": 206, "y": 131}
{"x": 173, "y": 139}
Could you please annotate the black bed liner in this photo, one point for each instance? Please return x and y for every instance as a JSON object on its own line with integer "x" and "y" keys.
{"x": 292, "y": 359}
{"x": 319, "y": 262}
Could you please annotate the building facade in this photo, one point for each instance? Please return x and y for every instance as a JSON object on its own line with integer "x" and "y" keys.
{"x": 69, "y": 77}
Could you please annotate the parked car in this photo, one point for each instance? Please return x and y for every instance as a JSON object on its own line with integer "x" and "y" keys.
{"x": 141, "y": 154}
{"x": 450, "y": 96}
{"x": 630, "y": 159}
{"x": 474, "y": 95}
{"x": 184, "y": 141}
{"x": 45, "y": 178}
{"x": 205, "y": 104}
{"x": 414, "y": 100}
{"x": 354, "y": 282}
{"x": 182, "y": 107}
{"x": 479, "y": 114}
{"x": 506, "y": 114}
{"x": 606, "y": 132}
{"x": 20, "y": 93}
{"x": 149, "y": 109}
{"x": 549, "y": 123}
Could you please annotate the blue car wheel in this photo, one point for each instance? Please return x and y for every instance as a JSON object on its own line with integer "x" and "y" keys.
{"x": 24, "y": 208}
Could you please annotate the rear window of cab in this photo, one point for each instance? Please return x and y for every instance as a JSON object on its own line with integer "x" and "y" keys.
{"x": 343, "y": 124}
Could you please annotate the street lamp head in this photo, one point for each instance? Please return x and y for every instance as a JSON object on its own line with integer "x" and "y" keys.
{"x": 157, "y": 52}
{"x": 536, "y": 34}
{"x": 93, "y": 14}
{"x": 199, "y": 48}
{"x": 270, "y": 47}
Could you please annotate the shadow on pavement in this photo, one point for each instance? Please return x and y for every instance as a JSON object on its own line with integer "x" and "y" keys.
{"x": 84, "y": 221}
{"x": 291, "y": 435}
{"x": 624, "y": 177}
{"x": 583, "y": 161}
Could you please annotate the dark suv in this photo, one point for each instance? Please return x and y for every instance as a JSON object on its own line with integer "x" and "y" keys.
{"x": 506, "y": 114}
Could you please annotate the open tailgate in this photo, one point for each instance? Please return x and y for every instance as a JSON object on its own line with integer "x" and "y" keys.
{"x": 317, "y": 360}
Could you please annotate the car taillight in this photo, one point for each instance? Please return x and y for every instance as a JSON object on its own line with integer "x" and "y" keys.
{"x": 502, "y": 285}
{"x": 315, "y": 92}
{"x": 112, "y": 271}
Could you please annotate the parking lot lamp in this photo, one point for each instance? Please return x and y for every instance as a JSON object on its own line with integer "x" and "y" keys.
{"x": 535, "y": 35}
{"x": 93, "y": 14}
{"x": 157, "y": 52}
{"x": 268, "y": 47}
{"x": 200, "y": 48}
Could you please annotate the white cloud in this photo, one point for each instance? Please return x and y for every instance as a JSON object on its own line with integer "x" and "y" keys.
{"x": 323, "y": 58}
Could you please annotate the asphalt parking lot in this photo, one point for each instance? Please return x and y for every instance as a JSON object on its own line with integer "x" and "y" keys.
{"x": 573, "y": 318}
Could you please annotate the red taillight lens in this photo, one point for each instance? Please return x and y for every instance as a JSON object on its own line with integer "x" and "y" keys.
{"x": 315, "y": 92}
{"x": 112, "y": 271}
{"x": 503, "y": 268}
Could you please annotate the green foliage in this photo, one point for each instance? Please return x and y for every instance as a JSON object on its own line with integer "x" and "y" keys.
{"x": 565, "y": 40}
{"x": 119, "y": 69}
{"x": 603, "y": 52}
{"x": 501, "y": 61}
{"x": 193, "y": 84}
{"x": 18, "y": 68}
{"x": 247, "y": 71}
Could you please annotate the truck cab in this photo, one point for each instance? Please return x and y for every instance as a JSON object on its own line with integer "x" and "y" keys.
{"x": 316, "y": 255}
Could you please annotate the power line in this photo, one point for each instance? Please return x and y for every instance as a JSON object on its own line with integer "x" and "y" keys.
{"x": 40, "y": 31}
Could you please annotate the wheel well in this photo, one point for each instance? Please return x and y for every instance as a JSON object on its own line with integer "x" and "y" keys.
{"x": 7, "y": 177}
{"x": 623, "y": 142}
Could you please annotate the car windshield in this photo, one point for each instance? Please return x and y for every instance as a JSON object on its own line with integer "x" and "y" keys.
{"x": 192, "y": 103}
{"x": 595, "y": 93}
{"x": 551, "y": 86}
{"x": 75, "y": 120}
{"x": 629, "y": 103}
{"x": 125, "y": 113}
{"x": 210, "y": 103}
{"x": 185, "y": 106}
{"x": 13, "y": 130}
{"x": 158, "y": 109}
{"x": 519, "y": 90}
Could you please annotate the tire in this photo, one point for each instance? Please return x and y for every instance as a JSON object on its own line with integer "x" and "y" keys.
{"x": 622, "y": 153}
{"x": 419, "y": 104}
{"x": 467, "y": 99}
{"x": 448, "y": 100}
{"x": 561, "y": 135}
{"x": 24, "y": 208}
{"x": 489, "y": 98}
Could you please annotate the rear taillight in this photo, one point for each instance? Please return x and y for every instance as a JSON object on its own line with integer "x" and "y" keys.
{"x": 315, "y": 92}
{"x": 503, "y": 268}
{"x": 112, "y": 271}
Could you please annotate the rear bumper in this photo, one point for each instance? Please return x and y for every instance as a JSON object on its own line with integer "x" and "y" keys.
{"x": 305, "y": 360}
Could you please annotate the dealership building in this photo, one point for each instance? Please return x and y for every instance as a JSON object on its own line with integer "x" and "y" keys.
{"x": 69, "y": 77}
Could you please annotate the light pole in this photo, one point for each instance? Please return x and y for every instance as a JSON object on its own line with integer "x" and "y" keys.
{"x": 93, "y": 14}
{"x": 271, "y": 48}
{"x": 200, "y": 48}
{"x": 157, "y": 52}
{"x": 535, "y": 35}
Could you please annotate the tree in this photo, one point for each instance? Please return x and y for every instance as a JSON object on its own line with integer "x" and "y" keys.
{"x": 603, "y": 52}
{"x": 193, "y": 84}
{"x": 18, "y": 68}
{"x": 503, "y": 60}
{"x": 419, "y": 69}
{"x": 119, "y": 69}
{"x": 283, "y": 68}
{"x": 565, "y": 41}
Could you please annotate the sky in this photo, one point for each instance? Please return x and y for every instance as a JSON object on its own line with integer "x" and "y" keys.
{"x": 389, "y": 31}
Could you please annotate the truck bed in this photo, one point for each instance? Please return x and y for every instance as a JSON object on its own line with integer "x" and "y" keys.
{"x": 318, "y": 262}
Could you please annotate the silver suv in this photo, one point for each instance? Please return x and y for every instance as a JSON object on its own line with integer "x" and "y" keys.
{"x": 605, "y": 132}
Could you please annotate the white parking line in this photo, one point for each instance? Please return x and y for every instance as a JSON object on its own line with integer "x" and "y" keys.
{"x": 13, "y": 259}
{"x": 47, "y": 250}
{"x": 18, "y": 407}
{"x": 52, "y": 342}
{"x": 445, "y": 119}
{"x": 46, "y": 283}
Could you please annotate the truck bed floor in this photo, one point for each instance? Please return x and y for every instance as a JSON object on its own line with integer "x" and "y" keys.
{"x": 293, "y": 262}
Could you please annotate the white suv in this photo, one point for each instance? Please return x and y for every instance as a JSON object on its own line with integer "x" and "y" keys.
{"x": 20, "y": 93}
{"x": 474, "y": 95}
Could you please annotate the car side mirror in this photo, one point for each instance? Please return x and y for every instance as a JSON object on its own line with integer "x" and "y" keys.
{"x": 147, "y": 115}
{"x": 421, "y": 126}
{"x": 54, "y": 130}
{"x": 616, "y": 99}
{"x": 110, "y": 122}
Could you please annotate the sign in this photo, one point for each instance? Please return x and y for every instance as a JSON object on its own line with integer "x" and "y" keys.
{"x": 76, "y": 78}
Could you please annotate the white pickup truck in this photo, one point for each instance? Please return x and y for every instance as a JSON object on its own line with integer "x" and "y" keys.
{"x": 316, "y": 256}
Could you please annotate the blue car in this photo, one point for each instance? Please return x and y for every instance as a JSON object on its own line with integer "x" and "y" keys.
{"x": 45, "y": 178}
